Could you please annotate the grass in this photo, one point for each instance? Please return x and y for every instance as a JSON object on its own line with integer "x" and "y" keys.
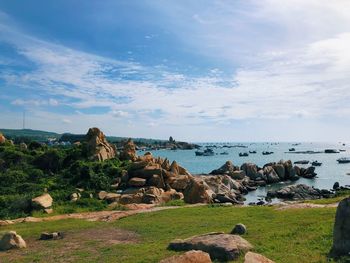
{"x": 298, "y": 235}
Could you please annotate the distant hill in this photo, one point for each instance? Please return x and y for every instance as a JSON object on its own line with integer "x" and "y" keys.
{"x": 42, "y": 136}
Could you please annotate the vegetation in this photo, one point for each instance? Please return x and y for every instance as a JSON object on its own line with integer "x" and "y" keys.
{"x": 293, "y": 236}
{"x": 25, "y": 173}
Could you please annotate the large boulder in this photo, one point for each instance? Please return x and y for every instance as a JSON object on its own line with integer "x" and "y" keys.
{"x": 97, "y": 146}
{"x": 137, "y": 182}
{"x": 271, "y": 175}
{"x": 43, "y": 202}
{"x": 197, "y": 191}
{"x": 11, "y": 240}
{"x": 251, "y": 170}
{"x": 220, "y": 246}
{"x": 228, "y": 168}
{"x": 251, "y": 257}
{"x": 192, "y": 256}
{"x": 341, "y": 230}
{"x": 129, "y": 151}
{"x": 2, "y": 138}
{"x": 279, "y": 169}
{"x": 180, "y": 182}
{"x": 290, "y": 172}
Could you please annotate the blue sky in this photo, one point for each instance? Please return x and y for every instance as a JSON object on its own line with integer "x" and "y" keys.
{"x": 263, "y": 70}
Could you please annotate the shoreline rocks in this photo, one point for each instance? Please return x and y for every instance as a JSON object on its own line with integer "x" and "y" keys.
{"x": 299, "y": 192}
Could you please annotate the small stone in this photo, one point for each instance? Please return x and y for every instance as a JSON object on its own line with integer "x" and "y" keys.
{"x": 53, "y": 235}
{"x": 239, "y": 229}
{"x": 251, "y": 257}
{"x": 193, "y": 256}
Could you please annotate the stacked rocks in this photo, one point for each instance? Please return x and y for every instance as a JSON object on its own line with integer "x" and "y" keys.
{"x": 97, "y": 146}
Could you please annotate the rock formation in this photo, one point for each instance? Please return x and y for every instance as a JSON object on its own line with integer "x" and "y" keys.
{"x": 192, "y": 256}
{"x": 299, "y": 192}
{"x": 129, "y": 151}
{"x": 220, "y": 246}
{"x": 97, "y": 146}
{"x": 341, "y": 230}
{"x": 43, "y": 202}
{"x": 2, "y": 138}
{"x": 11, "y": 240}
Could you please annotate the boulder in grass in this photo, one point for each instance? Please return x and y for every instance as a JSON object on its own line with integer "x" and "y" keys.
{"x": 193, "y": 256}
{"x": 11, "y": 240}
{"x": 251, "y": 257}
{"x": 220, "y": 246}
{"x": 341, "y": 230}
{"x": 239, "y": 229}
{"x": 43, "y": 201}
{"x": 51, "y": 236}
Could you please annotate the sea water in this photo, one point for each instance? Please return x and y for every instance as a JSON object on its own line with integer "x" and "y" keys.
{"x": 329, "y": 172}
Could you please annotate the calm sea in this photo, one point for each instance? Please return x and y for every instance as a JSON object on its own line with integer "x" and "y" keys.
{"x": 327, "y": 174}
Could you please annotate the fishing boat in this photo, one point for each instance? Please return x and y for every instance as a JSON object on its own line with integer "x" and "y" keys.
{"x": 252, "y": 152}
{"x": 206, "y": 152}
{"x": 266, "y": 153}
{"x": 292, "y": 149}
{"x": 302, "y": 162}
{"x": 316, "y": 163}
{"x": 243, "y": 154}
{"x": 343, "y": 160}
{"x": 224, "y": 153}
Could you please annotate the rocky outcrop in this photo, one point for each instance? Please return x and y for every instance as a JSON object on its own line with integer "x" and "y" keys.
{"x": 251, "y": 257}
{"x": 129, "y": 151}
{"x": 299, "y": 192}
{"x": 11, "y": 240}
{"x": 2, "y": 138}
{"x": 97, "y": 146}
{"x": 341, "y": 230}
{"x": 193, "y": 256}
{"x": 43, "y": 202}
{"x": 197, "y": 191}
{"x": 220, "y": 246}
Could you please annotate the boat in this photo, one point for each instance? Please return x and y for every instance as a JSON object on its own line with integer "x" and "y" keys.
{"x": 302, "y": 162}
{"x": 206, "y": 152}
{"x": 266, "y": 153}
{"x": 343, "y": 160}
{"x": 292, "y": 149}
{"x": 331, "y": 151}
{"x": 342, "y": 150}
{"x": 224, "y": 153}
{"x": 243, "y": 154}
{"x": 252, "y": 151}
{"x": 316, "y": 163}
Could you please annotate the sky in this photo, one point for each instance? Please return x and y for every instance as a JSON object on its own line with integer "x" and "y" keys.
{"x": 198, "y": 70}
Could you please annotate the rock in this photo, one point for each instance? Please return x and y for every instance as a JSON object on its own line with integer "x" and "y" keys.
{"x": 239, "y": 229}
{"x": 97, "y": 146}
{"x": 279, "y": 169}
{"x": 227, "y": 168}
{"x": 112, "y": 197}
{"x": 179, "y": 183}
{"x": 336, "y": 185}
{"x": 341, "y": 230}
{"x": 43, "y": 201}
{"x": 271, "y": 175}
{"x": 251, "y": 257}
{"x": 220, "y": 246}
{"x": 131, "y": 198}
{"x": 23, "y": 146}
{"x": 290, "y": 172}
{"x": 171, "y": 195}
{"x": 197, "y": 191}
{"x": 129, "y": 151}
{"x": 137, "y": 182}
{"x": 251, "y": 170}
{"x": 102, "y": 195}
{"x": 297, "y": 192}
{"x": 157, "y": 181}
{"x": 74, "y": 197}
{"x": 48, "y": 210}
{"x": 138, "y": 165}
{"x": 11, "y": 240}
{"x": 192, "y": 256}
{"x": 2, "y": 138}
{"x": 308, "y": 172}
{"x": 238, "y": 175}
{"x": 174, "y": 168}
{"x": 49, "y": 236}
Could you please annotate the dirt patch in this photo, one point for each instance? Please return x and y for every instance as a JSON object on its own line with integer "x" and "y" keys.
{"x": 88, "y": 241}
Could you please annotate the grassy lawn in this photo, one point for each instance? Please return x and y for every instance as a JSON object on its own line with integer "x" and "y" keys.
{"x": 298, "y": 235}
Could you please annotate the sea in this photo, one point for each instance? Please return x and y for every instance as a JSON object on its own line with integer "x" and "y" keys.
{"x": 327, "y": 174}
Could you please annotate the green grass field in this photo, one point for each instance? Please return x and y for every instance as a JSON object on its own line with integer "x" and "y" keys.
{"x": 296, "y": 235}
